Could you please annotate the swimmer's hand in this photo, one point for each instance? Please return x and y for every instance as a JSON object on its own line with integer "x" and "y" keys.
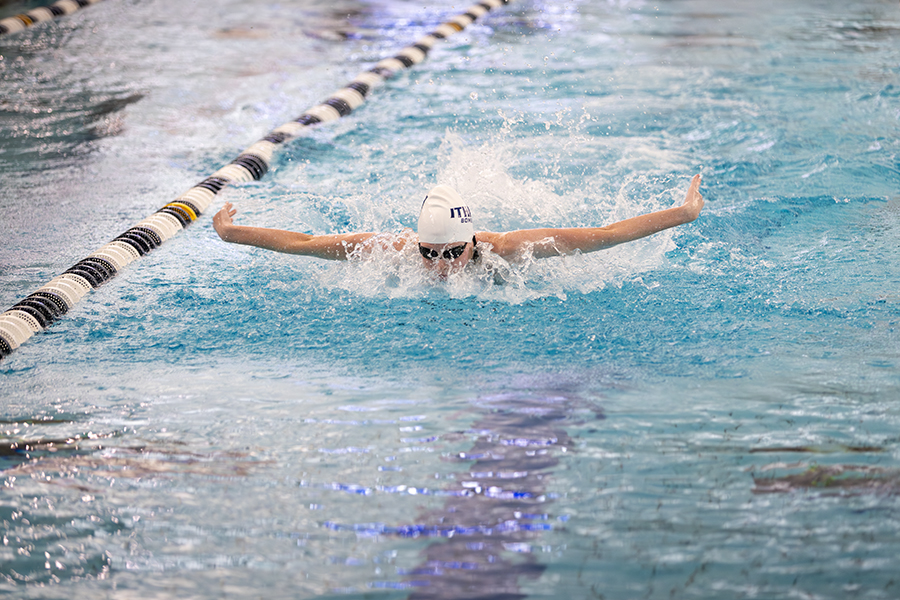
{"x": 223, "y": 223}
{"x": 693, "y": 202}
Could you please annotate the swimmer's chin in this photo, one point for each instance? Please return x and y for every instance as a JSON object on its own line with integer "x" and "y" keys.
{"x": 435, "y": 279}
{"x": 445, "y": 276}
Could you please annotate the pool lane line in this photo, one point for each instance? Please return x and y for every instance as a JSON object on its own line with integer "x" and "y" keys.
{"x": 61, "y": 8}
{"x": 39, "y": 310}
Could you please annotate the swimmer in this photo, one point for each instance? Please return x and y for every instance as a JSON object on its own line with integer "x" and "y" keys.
{"x": 446, "y": 236}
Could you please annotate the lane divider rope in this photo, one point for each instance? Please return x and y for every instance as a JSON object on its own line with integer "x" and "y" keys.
{"x": 37, "y": 311}
{"x": 17, "y": 23}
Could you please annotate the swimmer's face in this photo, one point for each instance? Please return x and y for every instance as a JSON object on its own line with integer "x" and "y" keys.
{"x": 444, "y": 259}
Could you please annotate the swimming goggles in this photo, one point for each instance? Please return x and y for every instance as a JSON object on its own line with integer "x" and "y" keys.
{"x": 448, "y": 254}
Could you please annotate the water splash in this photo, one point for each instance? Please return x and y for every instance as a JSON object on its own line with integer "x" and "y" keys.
{"x": 502, "y": 200}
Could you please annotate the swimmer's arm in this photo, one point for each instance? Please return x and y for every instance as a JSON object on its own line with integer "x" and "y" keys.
{"x": 333, "y": 246}
{"x": 558, "y": 242}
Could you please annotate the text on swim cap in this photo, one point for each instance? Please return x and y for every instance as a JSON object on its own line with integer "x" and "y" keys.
{"x": 462, "y": 212}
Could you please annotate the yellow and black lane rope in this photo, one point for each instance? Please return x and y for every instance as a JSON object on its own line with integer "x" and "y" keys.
{"x": 37, "y": 311}
{"x": 41, "y": 14}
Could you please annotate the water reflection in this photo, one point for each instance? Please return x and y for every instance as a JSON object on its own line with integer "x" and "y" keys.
{"x": 42, "y": 128}
{"x": 488, "y": 532}
{"x": 829, "y": 479}
{"x": 490, "y": 528}
{"x": 62, "y": 497}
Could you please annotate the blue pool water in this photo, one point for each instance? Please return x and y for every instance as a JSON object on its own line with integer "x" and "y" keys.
{"x": 711, "y": 412}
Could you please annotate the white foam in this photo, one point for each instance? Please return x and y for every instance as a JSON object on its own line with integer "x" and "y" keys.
{"x": 501, "y": 200}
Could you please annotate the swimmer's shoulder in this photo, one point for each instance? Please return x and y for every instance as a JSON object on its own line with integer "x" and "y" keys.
{"x": 495, "y": 241}
{"x": 491, "y": 238}
{"x": 365, "y": 244}
{"x": 398, "y": 241}
{"x": 406, "y": 238}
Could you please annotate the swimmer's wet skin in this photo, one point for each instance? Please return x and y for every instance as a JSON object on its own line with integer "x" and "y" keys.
{"x": 447, "y": 239}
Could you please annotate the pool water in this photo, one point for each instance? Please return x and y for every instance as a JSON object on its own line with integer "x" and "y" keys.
{"x": 711, "y": 412}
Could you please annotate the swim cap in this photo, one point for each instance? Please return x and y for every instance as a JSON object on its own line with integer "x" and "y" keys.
{"x": 444, "y": 217}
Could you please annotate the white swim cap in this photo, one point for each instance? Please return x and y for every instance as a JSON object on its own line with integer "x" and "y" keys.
{"x": 444, "y": 217}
